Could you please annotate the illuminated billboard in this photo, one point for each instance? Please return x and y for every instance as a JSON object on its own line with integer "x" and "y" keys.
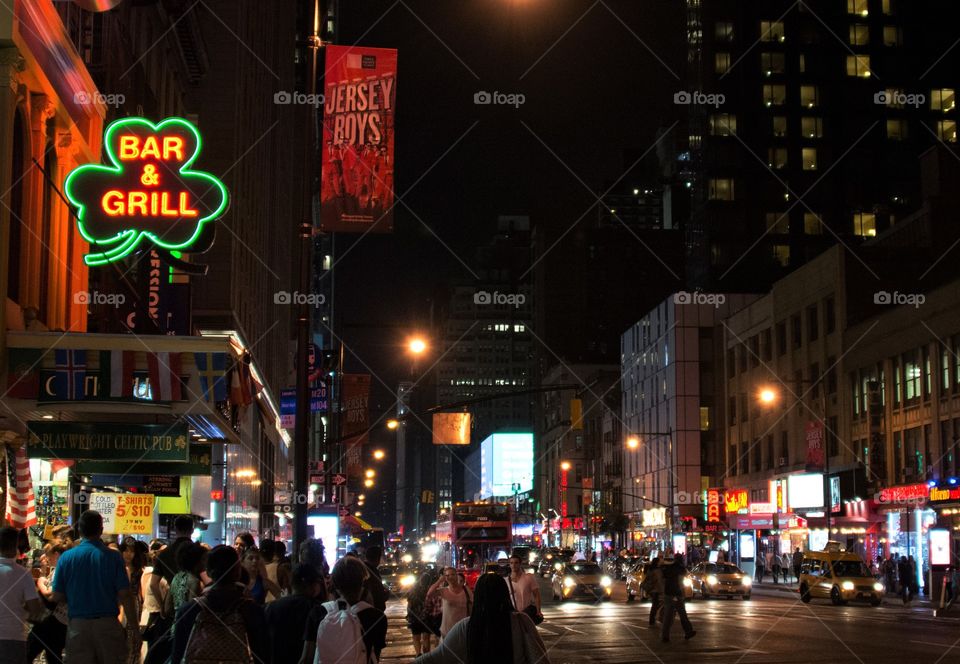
{"x": 805, "y": 491}
{"x": 506, "y": 464}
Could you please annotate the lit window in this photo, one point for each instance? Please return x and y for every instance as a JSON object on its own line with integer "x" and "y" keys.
{"x": 864, "y": 224}
{"x": 897, "y": 130}
{"x": 942, "y": 100}
{"x": 777, "y": 158}
{"x": 722, "y": 62}
{"x": 724, "y": 31}
{"x": 892, "y": 36}
{"x": 947, "y": 131}
{"x": 894, "y": 97}
{"x": 778, "y": 222}
{"x": 858, "y": 7}
{"x": 772, "y": 31}
{"x": 886, "y": 6}
{"x": 809, "y": 159}
{"x": 721, "y": 189}
{"x": 693, "y": 141}
{"x": 771, "y": 63}
{"x": 858, "y": 65}
{"x": 809, "y": 96}
{"x": 774, "y": 95}
{"x": 723, "y": 124}
{"x": 812, "y": 224}
{"x": 781, "y": 254}
{"x": 811, "y": 127}
{"x": 859, "y": 35}
{"x": 779, "y": 126}
{"x": 803, "y": 64}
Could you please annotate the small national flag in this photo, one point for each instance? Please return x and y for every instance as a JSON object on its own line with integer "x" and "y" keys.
{"x": 212, "y": 368}
{"x": 71, "y": 373}
{"x": 116, "y": 372}
{"x": 21, "y": 507}
{"x": 164, "y": 376}
{"x": 241, "y": 392}
{"x": 23, "y": 375}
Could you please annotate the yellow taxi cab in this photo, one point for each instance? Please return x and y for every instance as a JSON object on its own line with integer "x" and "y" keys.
{"x": 838, "y": 575}
{"x": 581, "y": 579}
{"x": 636, "y": 576}
{"x": 720, "y": 580}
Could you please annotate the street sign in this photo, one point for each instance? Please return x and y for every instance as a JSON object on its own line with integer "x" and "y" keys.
{"x": 316, "y": 479}
{"x": 339, "y": 480}
{"x": 276, "y": 507}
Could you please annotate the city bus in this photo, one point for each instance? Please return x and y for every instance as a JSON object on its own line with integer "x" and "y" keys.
{"x": 471, "y": 535}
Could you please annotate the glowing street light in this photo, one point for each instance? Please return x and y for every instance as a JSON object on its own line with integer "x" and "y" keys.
{"x": 633, "y": 442}
{"x": 370, "y": 473}
{"x": 417, "y": 345}
{"x": 379, "y": 454}
{"x": 767, "y": 395}
{"x": 564, "y": 465}
{"x": 368, "y": 483}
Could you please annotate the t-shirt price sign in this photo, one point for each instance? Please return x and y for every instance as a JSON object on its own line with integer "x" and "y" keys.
{"x": 124, "y": 513}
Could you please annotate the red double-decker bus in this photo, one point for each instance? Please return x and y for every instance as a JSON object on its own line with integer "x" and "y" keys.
{"x": 474, "y": 534}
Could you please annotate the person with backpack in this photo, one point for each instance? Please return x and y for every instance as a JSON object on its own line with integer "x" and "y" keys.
{"x": 346, "y": 630}
{"x": 493, "y": 632}
{"x": 456, "y": 599}
{"x": 287, "y": 617}
{"x": 222, "y": 625}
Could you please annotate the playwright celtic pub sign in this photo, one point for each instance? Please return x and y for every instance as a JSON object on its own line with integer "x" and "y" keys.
{"x": 148, "y": 191}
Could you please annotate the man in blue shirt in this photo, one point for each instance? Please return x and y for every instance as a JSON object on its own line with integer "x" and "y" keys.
{"x": 93, "y": 582}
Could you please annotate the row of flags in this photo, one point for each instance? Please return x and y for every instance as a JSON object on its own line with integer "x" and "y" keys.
{"x": 116, "y": 370}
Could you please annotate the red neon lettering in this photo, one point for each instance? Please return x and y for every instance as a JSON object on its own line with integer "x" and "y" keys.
{"x": 141, "y": 203}
{"x": 166, "y": 148}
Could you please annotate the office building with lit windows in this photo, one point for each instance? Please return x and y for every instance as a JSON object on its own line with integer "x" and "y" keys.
{"x": 804, "y": 125}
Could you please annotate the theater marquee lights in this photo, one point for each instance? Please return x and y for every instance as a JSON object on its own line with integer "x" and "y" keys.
{"x": 147, "y": 191}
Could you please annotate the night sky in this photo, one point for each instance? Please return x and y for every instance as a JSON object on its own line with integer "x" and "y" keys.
{"x": 596, "y": 92}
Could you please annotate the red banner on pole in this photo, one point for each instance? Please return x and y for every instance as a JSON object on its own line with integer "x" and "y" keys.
{"x": 355, "y": 420}
{"x": 815, "y": 449}
{"x": 356, "y": 192}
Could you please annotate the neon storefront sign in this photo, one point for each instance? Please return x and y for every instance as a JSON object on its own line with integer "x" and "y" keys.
{"x": 148, "y": 191}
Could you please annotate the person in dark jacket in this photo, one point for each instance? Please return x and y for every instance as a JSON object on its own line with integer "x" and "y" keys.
{"x": 287, "y": 617}
{"x": 377, "y": 595}
{"x": 673, "y": 573}
{"x": 653, "y": 582}
{"x": 223, "y": 567}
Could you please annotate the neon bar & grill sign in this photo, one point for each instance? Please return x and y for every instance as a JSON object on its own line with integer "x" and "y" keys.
{"x": 147, "y": 191}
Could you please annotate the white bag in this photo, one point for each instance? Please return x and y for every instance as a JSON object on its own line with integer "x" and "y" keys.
{"x": 340, "y": 636}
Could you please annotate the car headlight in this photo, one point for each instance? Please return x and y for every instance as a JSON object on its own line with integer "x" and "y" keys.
{"x": 569, "y": 582}
{"x": 407, "y": 581}
{"x": 688, "y": 583}
{"x": 746, "y": 580}
{"x": 605, "y": 581}
{"x": 407, "y": 558}
{"x": 847, "y": 585}
{"x": 557, "y": 566}
{"x": 712, "y": 580}
{"x": 878, "y": 587}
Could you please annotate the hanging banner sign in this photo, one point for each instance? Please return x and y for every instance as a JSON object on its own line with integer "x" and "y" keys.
{"x": 147, "y": 191}
{"x": 815, "y": 449}
{"x": 124, "y": 513}
{"x": 356, "y": 192}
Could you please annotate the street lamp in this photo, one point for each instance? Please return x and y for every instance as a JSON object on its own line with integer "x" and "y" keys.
{"x": 370, "y": 473}
{"x": 368, "y": 483}
{"x": 767, "y": 396}
{"x": 633, "y": 442}
{"x": 393, "y": 424}
{"x": 564, "y": 465}
{"x": 378, "y": 455}
{"x": 416, "y": 345}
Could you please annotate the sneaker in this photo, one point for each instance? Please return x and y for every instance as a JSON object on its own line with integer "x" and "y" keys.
{"x": 690, "y": 635}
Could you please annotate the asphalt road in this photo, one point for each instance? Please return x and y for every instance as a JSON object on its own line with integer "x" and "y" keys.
{"x": 772, "y": 627}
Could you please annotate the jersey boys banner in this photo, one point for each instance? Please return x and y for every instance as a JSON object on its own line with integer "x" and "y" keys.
{"x": 356, "y": 193}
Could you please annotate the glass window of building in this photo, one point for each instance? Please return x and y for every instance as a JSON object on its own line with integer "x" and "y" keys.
{"x": 778, "y": 222}
{"x": 777, "y": 158}
{"x": 721, "y": 189}
{"x": 723, "y": 124}
{"x": 809, "y": 156}
{"x": 774, "y": 95}
{"x": 813, "y": 323}
{"x": 942, "y": 99}
{"x": 897, "y": 382}
{"x": 830, "y": 314}
{"x": 911, "y": 374}
{"x": 779, "y": 126}
{"x": 781, "y": 338}
{"x": 897, "y": 129}
{"x": 781, "y": 254}
{"x": 812, "y": 225}
{"x": 811, "y": 127}
{"x": 892, "y": 97}
{"x": 772, "y": 63}
{"x": 859, "y": 34}
{"x": 947, "y": 131}
{"x": 721, "y": 62}
{"x": 864, "y": 224}
{"x": 892, "y": 36}
{"x": 858, "y": 65}
{"x": 772, "y": 31}
{"x": 796, "y": 332}
{"x": 809, "y": 96}
{"x": 858, "y": 7}
{"x": 886, "y": 6}
{"x": 802, "y": 64}
{"x": 724, "y": 31}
